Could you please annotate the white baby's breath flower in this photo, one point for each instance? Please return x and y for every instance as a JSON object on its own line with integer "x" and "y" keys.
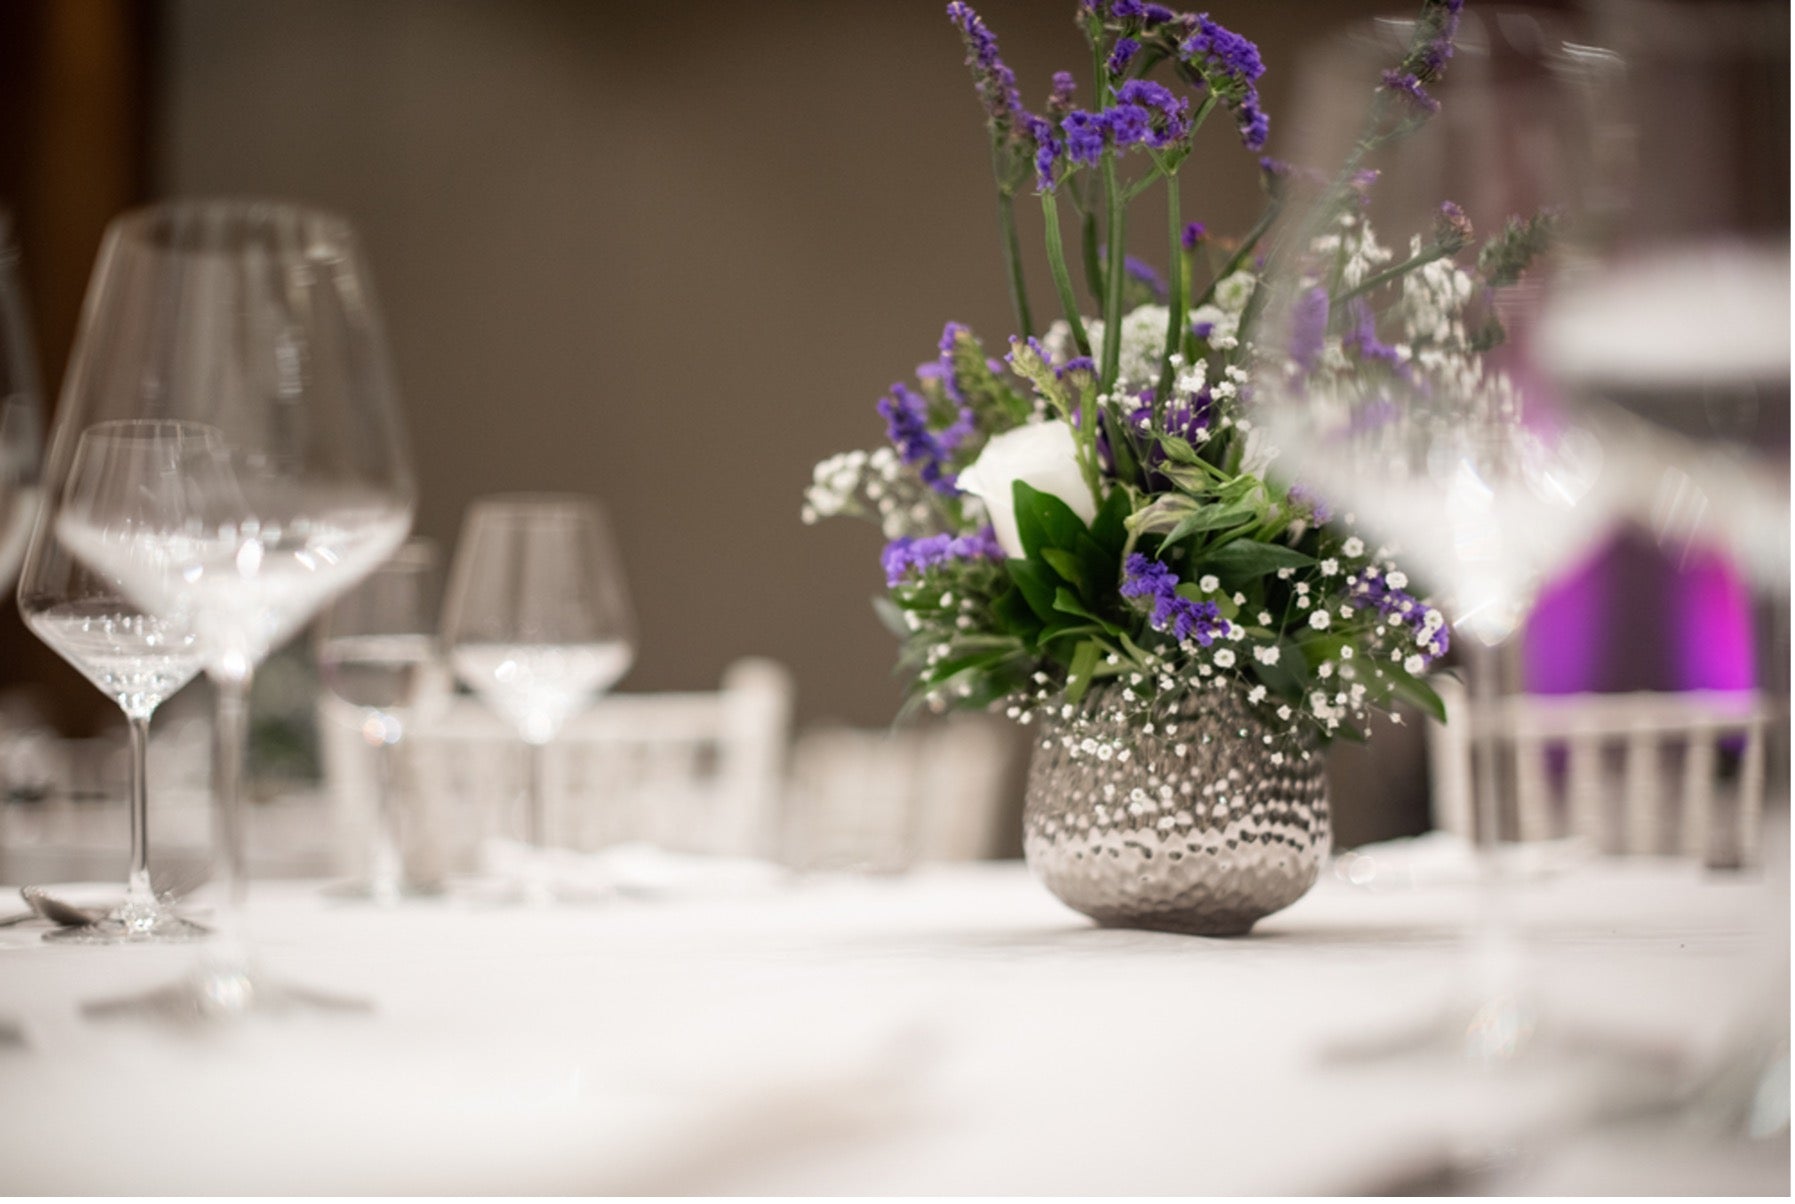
{"x": 1209, "y": 583}
{"x": 1414, "y": 664}
{"x": 1266, "y": 654}
{"x": 1224, "y": 657}
{"x": 1319, "y": 620}
{"x": 1354, "y": 546}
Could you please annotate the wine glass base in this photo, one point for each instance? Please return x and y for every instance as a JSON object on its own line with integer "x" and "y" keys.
{"x": 133, "y": 924}
{"x": 527, "y": 893}
{"x": 224, "y": 991}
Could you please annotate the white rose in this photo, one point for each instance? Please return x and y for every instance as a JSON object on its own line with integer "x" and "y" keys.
{"x": 1042, "y": 455}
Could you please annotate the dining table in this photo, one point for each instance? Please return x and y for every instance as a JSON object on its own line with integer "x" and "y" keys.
{"x": 719, "y": 1027}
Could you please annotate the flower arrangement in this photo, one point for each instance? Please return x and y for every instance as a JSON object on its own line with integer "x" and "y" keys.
{"x": 1099, "y": 505}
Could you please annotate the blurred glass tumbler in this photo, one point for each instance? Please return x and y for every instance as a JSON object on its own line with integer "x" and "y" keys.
{"x": 376, "y": 649}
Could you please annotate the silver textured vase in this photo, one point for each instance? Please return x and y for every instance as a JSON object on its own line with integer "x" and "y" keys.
{"x": 1192, "y": 827}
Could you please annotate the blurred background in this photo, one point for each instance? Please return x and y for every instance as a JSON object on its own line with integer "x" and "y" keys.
{"x": 672, "y": 256}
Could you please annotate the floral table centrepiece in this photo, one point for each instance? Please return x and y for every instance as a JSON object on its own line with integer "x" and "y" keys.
{"x": 1090, "y": 533}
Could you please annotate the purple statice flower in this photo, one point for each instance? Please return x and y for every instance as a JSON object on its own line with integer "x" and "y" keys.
{"x": 906, "y": 414}
{"x": 1059, "y": 99}
{"x": 1405, "y": 611}
{"x": 1427, "y": 61}
{"x": 1223, "y": 51}
{"x": 995, "y": 82}
{"x": 1153, "y": 15}
{"x": 1078, "y": 363}
{"x": 1202, "y": 329}
{"x": 1128, "y": 124}
{"x": 1085, "y": 136}
{"x": 1308, "y": 327}
{"x": 1361, "y": 338}
{"x": 1252, "y": 122}
{"x": 1146, "y": 578}
{"x": 1144, "y": 272}
{"x": 1168, "y": 115}
{"x": 1194, "y": 233}
{"x": 910, "y": 554}
{"x": 1230, "y": 66}
{"x": 1452, "y": 228}
{"x": 1408, "y": 86}
{"x": 1121, "y": 55}
{"x": 1049, "y": 147}
{"x": 1302, "y": 495}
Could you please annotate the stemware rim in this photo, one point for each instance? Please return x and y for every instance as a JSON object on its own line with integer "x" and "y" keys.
{"x": 535, "y": 504}
{"x": 165, "y": 225}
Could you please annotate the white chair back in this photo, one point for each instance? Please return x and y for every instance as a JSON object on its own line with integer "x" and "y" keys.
{"x": 693, "y": 772}
{"x": 1634, "y": 773}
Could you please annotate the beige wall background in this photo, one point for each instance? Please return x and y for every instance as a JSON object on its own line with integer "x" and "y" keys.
{"x": 667, "y": 254}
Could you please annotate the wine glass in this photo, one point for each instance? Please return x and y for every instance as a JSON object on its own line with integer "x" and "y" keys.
{"x": 1400, "y": 383}
{"x": 255, "y": 318}
{"x": 374, "y": 644}
{"x": 538, "y": 624}
{"x": 127, "y": 468}
{"x": 20, "y": 438}
{"x": 1671, "y": 331}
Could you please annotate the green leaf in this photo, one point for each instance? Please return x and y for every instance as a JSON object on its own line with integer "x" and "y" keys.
{"x": 892, "y": 615}
{"x": 1210, "y": 518}
{"x": 1416, "y": 691}
{"x": 1120, "y": 449}
{"x": 1037, "y": 588}
{"x": 1289, "y": 677}
{"x": 1109, "y": 530}
{"x": 1015, "y": 617}
{"x": 1068, "y": 566}
{"x": 1043, "y": 521}
{"x": 1078, "y": 679}
{"x": 1247, "y": 558}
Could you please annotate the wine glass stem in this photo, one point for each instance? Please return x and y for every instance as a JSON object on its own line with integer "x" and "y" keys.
{"x": 137, "y": 886}
{"x": 386, "y": 871}
{"x": 1499, "y": 1022}
{"x": 230, "y": 742}
{"x": 535, "y": 821}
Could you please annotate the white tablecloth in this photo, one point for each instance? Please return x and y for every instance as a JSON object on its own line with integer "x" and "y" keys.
{"x": 951, "y": 1031}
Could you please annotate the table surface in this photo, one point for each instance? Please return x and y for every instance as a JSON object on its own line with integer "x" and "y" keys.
{"x": 953, "y": 1030}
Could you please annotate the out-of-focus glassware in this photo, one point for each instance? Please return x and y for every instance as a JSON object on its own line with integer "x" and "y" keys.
{"x": 1670, "y": 330}
{"x": 254, "y": 318}
{"x": 20, "y": 414}
{"x": 538, "y": 623}
{"x": 136, "y": 658}
{"x": 375, "y": 645}
{"x": 1411, "y": 400}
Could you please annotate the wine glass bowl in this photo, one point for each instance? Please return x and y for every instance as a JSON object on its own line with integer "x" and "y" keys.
{"x": 1450, "y": 181}
{"x": 538, "y": 623}
{"x": 124, "y": 469}
{"x": 254, "y": 319}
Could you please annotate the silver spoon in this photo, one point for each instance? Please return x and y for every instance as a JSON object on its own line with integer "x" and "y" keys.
{"x": 56, "y": 911}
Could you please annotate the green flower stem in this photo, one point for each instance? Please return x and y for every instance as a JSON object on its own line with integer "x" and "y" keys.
{"x": 1062, "y": 279}
{"x": 1175, "y": 319}
{"x": 1114, "y": 255}
{"x": 1012, "y": 257}
{"x": 1093, "y": 266}
{"x": 1425, "y": 256}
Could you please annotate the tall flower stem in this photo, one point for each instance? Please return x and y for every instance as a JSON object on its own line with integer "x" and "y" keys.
{"x": 1175, "y": 298}
{"x": 1112, "y": 284}
{"x": 1012, "y": 257}
{"x": 1062, "y": 279}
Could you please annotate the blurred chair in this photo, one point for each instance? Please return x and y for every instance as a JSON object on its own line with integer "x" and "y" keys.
{"x": 882, "y": 800}
{"x": 691, "y": 772}
{"x": 1633, "y": 773}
